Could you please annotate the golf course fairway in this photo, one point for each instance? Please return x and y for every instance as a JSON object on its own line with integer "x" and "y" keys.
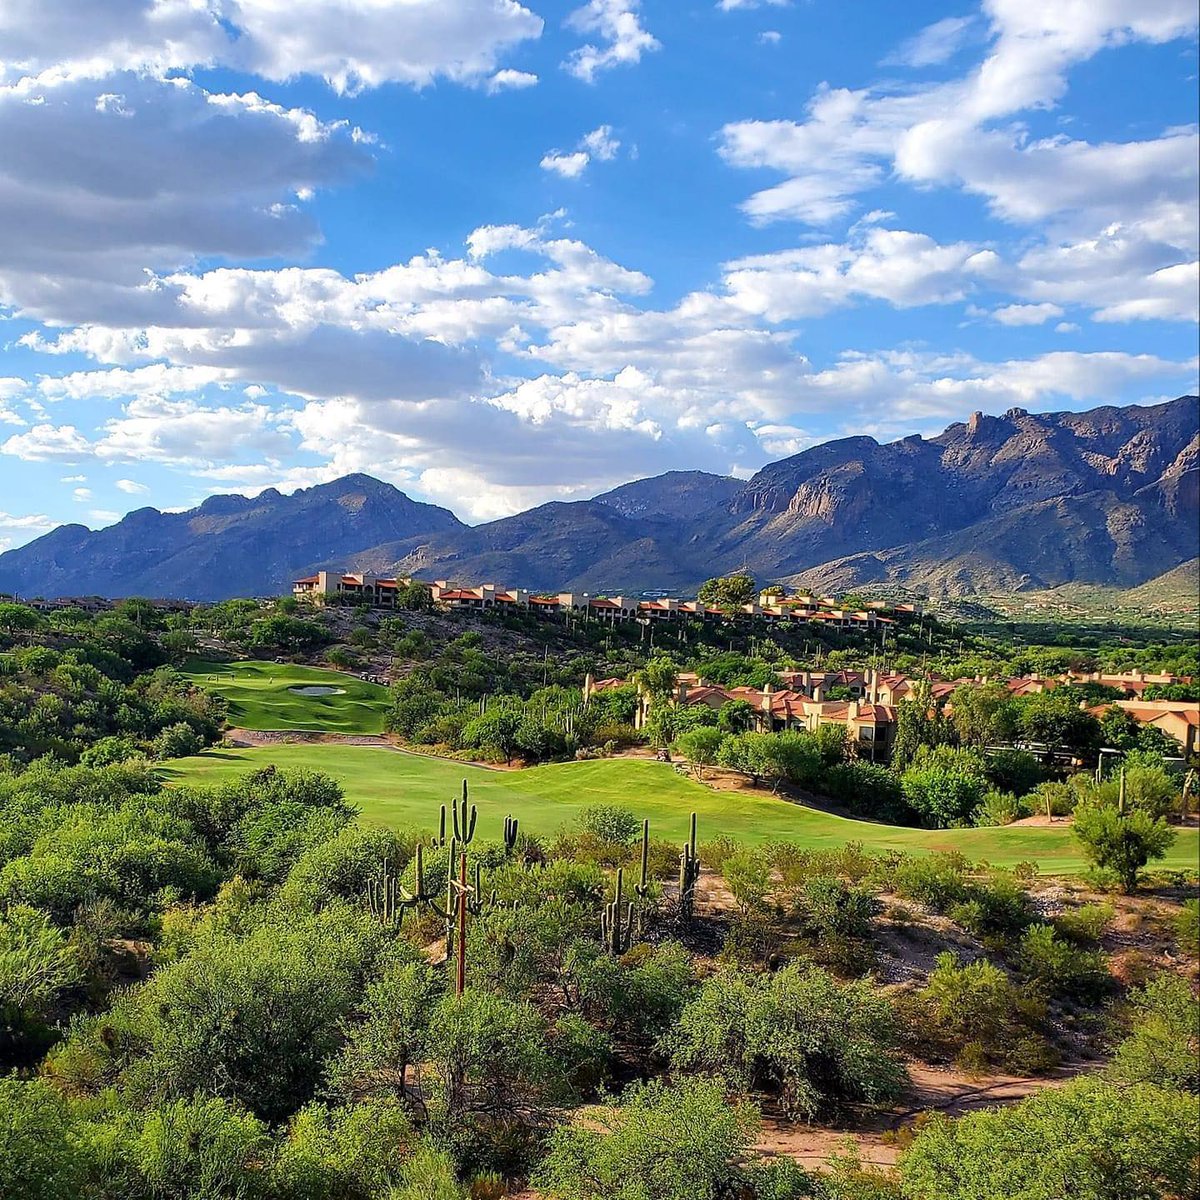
{"x": 400, "y": 789}
{"x": 267, "y": 695}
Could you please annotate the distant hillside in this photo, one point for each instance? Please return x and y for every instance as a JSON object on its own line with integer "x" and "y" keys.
{"x": 1177, "y": 590}
{"x": 677, "y": 495}
{"x": 1015, "y": 503}
{"x": 229, "y": 546}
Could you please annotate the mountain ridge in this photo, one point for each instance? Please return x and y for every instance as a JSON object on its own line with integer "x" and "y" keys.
{"x": 1017, "y": 501}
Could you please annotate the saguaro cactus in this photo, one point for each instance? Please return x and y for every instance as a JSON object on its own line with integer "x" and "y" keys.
{"x": 475, "y": 900}
{"x": 642, "y": 887}
{"x": 689, "y": 874}
{"x": 510, "y": 834}
{"x": 616, "y": 922}
{"x": 384, "y": 897}
{"x": 449, "y": 913}
{"x": 419, "y": 894}
{"x": 388, "y": 899}
{"x": 464, "y": 819}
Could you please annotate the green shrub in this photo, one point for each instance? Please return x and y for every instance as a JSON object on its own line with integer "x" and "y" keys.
{"x": 1090, "y": 1140}
{"x": 830, "y": 907}
{"x": 678, "y": 1142}
{"x": 1084, "y": 925}
{"x": 347, "y": 1152}
{"x": 1121, "y": 844}
{"x": 798, "y": 1034}
{"x": 428, "y": 1175}
{"x": 340, "y": 867}
{"x": 1058, "y": 966}
{"x": 109, "y": 750}
{"x": 748, "y": 874}
{"x": 945, "y": 786}
{"x": 177, "y": 741}
{"x": 610, "y": 823}
{"x": 974, "y": 1013}
{"x": 998, "y": 906}
{"x": 937, "y": 880}
{"x": 868, "y": 790}
{"x": 1163, "y": 1043}
{"x": 1052, "y": 798}
{"x": 199, "y": 1148}
{"x": 999, "y": 808}
{"x": 717, "y": 851}
{"x": 42, "y": 1156}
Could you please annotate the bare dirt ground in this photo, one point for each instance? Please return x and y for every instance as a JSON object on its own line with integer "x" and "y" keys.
{"x": 934, "y": 1089}
{"x": 294, "y": 737}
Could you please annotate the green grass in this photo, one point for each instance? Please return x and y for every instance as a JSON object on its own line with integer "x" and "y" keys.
{"x": 404, "y": 789}
{"x": 259, "y": 698}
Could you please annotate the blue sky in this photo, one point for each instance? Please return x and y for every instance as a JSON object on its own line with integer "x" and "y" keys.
{"x": 500, "y": 253}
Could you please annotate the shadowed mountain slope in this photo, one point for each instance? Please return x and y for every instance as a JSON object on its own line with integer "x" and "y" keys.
{"x": 1023, "y": 500}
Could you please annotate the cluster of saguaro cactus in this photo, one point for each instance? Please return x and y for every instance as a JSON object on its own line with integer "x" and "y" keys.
{"x": 621, "y": 921}
{"x": 616, "y": 920}
{"x": 689, "y": 874}
{"x": 388, "y": 899}
{"x": 475, "y": 900}
{"x": 383, "y": 897}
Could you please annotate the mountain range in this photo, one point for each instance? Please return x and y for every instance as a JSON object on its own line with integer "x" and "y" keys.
{"x": 994, "y": 504}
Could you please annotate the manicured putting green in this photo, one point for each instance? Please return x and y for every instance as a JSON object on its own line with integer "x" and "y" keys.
{"x": 266, "y": 695}
{"x": 405, "y": 789}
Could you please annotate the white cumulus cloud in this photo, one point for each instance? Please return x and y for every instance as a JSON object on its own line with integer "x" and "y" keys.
{"x": 618, "y": 26}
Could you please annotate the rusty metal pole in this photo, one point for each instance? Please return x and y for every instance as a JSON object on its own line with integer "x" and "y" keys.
{"x": 460, "y": 981}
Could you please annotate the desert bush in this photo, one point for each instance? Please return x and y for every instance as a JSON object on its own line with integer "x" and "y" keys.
{"x": 676, "y": 1142}
{"x": 974, "y": 1013}
{"x": 999, "y": 808}
{"x": 1110, "y": 1142}
{"x": 798, "y": 1034}
{"x": 1121, "y": 844}
{"x": 1163, "y": 1042}
{"x": 1084, "y": 925}
{"x": 1058, "y": 966}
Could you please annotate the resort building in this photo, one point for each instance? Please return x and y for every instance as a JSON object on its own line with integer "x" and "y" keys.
{"x": 1178, "y": 719}
{"x": 649, "y": 607}
{"x": 333, "y": 585}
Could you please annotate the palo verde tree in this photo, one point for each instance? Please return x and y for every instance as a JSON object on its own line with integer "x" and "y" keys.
{"x": 729, "y": 592}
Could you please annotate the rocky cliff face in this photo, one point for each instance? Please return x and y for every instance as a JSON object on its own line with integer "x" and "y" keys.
{"x": 1022, "y": 500}
{"x": 931, "y": 509}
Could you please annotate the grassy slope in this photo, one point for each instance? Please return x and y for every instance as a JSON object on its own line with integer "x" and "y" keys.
{"x": 259, "y": 698}
{"x": 403, "y": 789}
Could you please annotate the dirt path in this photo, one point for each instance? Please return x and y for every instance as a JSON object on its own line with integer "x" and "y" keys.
{"x": 248, "y": 739}
{"x": 934, "y": 1089}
